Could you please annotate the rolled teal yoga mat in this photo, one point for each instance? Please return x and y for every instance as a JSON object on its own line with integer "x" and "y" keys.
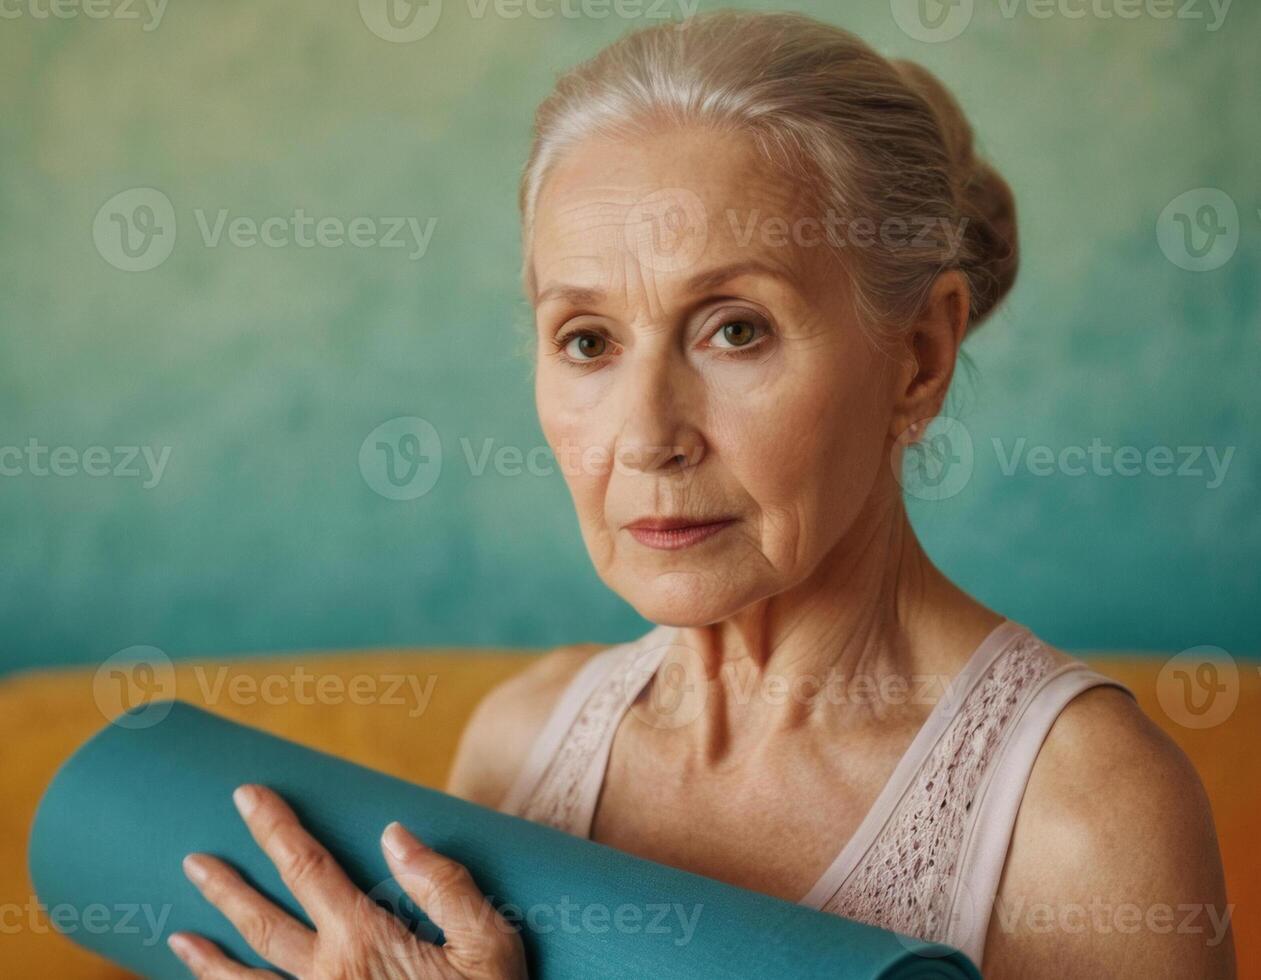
{"x": 120, "y": 815}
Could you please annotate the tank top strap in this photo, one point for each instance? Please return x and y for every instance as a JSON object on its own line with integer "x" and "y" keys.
{"x": 561, "y": 779}
{"x": 932, "y": 868}
{"x": 983, "y": 851}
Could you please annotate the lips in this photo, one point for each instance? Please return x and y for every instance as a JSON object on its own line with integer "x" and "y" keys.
{"x": 671, "y": 534}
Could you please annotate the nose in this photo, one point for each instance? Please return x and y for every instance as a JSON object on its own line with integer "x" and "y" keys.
{"x": 659, "y": 432}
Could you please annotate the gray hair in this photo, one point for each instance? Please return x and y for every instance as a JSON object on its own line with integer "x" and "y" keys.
{"x": 867, "y": 136}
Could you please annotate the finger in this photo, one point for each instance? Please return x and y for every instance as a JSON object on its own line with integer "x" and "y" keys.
{"x": 448, "y": 895}
{"x": 206, "y": 961}
{"x": 271, "y": 932}
{"x": 306, "y": 868}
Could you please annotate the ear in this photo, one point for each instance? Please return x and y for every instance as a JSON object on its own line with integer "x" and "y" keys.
{"x": 930, "y": 351}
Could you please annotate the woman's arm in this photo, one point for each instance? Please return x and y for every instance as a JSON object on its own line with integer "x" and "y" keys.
{"x": 1114, "y": 869}
{"x": 503, "y": 726}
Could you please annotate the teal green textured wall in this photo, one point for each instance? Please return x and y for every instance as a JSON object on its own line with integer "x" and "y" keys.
{"x": 260, "y": 370}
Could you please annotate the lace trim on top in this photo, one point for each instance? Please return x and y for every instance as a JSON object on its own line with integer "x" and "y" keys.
{"x": 907, "y": 879}
{"x": 557, "y": 799}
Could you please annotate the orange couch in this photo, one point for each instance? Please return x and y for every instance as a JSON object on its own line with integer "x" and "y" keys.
{"x": 374, "y": 709}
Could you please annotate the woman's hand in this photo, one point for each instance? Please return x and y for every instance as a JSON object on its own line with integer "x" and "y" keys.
{"x": 355, "y": 939}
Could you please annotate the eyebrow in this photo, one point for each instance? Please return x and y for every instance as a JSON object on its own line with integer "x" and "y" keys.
{"x": 702, "y": 282}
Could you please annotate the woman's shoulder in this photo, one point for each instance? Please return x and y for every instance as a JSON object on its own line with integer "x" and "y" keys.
{"x": 1114, "y": 823}
{"x": 502, "y": 728}
{"x": 1101, "y": 742}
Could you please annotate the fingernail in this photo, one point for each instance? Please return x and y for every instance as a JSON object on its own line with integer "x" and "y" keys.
{"x": 400, "y": 843}
{"x": 180, "y": 946}
{"x": 246, "y": 799}
{"x": 194, "y": 869}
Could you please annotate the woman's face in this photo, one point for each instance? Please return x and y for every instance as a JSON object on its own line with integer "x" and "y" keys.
{"x": 699, "y": 362}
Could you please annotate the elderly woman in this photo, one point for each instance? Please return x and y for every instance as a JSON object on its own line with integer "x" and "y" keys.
{"x": 754, "y": 247}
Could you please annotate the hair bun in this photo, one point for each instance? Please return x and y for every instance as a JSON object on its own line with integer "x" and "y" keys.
{"x": 990, "y": 243}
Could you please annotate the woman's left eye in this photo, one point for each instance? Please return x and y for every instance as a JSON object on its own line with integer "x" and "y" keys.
{"x": 737, "y": 333}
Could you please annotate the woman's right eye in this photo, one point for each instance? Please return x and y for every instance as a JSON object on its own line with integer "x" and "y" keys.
{"x": 582, "y": 345}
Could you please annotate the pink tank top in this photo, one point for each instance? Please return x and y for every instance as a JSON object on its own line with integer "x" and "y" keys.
{"x": 927, "y": 858}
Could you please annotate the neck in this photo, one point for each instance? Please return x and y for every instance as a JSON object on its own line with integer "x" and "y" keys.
{"x": 875, "y": 615}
